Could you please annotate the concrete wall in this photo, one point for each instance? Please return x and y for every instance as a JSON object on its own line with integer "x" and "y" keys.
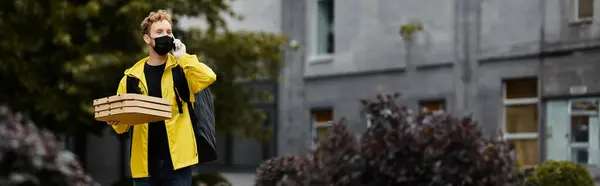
{"x": 509, "y": 27}
{"x": 367, "y": 34}
{"x": 576, "y": 69}
{"x": 560, "y": 27}
{"x": 293, "y": 133}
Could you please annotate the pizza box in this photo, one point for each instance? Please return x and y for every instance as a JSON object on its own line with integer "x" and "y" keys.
{"x": 123, "y": 97}
{"x": 132, "y": 109}
{"x": 132, "y": 115}
{"x": 132, "y": 103}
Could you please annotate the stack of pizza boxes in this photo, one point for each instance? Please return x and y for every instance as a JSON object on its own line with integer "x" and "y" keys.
{"x": 132, "y": 109}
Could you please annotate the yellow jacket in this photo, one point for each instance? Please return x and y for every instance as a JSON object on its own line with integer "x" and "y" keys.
{"x": 182, "y": 143}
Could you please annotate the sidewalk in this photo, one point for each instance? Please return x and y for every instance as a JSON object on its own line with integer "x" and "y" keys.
{"x": 239, "y": 179}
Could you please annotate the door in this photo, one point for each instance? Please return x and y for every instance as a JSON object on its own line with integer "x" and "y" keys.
{"x": 557, "y": 120}
{"x": 574, "y": 131}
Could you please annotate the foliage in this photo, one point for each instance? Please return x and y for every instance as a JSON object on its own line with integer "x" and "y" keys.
{"x": 558, "y": 173}
{"x": 400, "y": 148}
{"x": 238, "y": 58}
{"x": 32, "y": 157}
{"x": 57, "y": 50}
{"x": 407, "y": 30}
{"x": 287, "y": 170}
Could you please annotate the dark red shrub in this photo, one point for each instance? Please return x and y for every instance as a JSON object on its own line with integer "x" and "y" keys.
{"x": 400, "y": 148}
{"x": 30, "y": 157}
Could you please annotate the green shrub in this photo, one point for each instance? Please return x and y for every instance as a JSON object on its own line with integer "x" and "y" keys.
{"x": 561, "y": 173}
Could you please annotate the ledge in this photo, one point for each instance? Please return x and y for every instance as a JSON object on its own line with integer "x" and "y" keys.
{"x": 320, "y": 59}
{"x": 550, "y": 50}
{"x": 581, "y": 22}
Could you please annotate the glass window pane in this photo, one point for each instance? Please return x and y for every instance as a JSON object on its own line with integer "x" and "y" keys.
{"x": 580, "y": 129}
{"x": 325, "y": 33}
{"x": 521, "y": 88}
{"x": 323, "y": 115}
{"x": 433, "y": 106}
{"x": 586, "y": 8}
{"x": 526, "y": 151}
{"x": 521, "y": 118}
{"x": 579, "y": 155}
{"x": 323, "y": 133}
{"x": 584, "y": 106}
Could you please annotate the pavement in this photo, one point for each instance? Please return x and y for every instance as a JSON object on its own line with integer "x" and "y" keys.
{"x": 239, "y": 179}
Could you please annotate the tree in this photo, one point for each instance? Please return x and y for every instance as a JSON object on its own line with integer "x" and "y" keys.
{"x": 59, "y": 55}
{"x": 239, "y": 57}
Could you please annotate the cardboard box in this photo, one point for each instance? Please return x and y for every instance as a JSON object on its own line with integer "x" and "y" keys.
{"x": 132, "y": 103}
{"x": 123, "y": 97}
{"x": 132, "y": 109}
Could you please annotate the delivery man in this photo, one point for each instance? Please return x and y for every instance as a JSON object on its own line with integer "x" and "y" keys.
{"x": 162, "y": 152}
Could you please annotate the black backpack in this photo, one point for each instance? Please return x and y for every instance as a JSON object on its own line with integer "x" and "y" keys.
{"x": 201, "y": 114}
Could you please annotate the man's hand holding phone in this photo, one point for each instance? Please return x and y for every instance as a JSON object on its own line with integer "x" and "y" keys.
{"x": 179, "y": 49}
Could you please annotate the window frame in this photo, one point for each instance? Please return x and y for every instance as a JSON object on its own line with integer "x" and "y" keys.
{"x": 314, "y": 57}
{"x": 441, "y": 101}
{"x": 581, "y": 113}
{"x": 521, "y": 101}
{"x": 576, "y": 17}
{"x": 314, "y": 125}
{"x": 517, "y": 101}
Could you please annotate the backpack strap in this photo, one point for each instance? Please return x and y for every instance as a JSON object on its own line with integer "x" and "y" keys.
{"x": 182, "y": 90}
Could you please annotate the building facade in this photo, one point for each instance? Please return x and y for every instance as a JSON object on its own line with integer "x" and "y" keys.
{"x": 527, "y": 68}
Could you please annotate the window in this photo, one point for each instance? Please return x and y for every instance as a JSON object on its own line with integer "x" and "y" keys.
{"x": 322, "y": 119}
{"x": 325, "y": 30}
{"x": 521, "y": 118}
{"x": 432, "y": 105}
{"x": 584, "y": 9}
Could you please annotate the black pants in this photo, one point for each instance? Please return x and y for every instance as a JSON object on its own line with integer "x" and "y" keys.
{"x": 162, "y": 174}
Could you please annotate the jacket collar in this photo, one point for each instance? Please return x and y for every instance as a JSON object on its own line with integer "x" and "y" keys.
{"x": 138, "y": 68}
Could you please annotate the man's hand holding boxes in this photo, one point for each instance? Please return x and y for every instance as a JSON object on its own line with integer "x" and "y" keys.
{"x": 131, "y": 108}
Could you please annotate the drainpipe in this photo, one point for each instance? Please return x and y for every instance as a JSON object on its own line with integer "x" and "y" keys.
{"x": 541, "y": 107}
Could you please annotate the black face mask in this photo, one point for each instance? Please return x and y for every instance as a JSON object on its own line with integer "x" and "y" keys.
{"x": 163, "y": 45}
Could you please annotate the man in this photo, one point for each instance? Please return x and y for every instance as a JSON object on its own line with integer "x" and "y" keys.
{"x": 162, "y": 152}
